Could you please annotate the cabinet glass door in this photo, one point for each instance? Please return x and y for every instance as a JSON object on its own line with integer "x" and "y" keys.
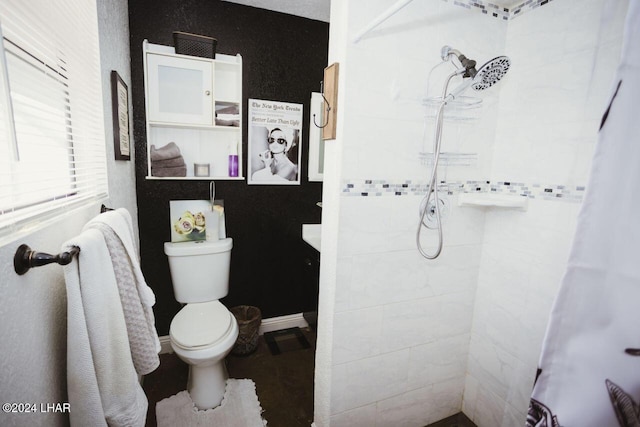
{"x": 180, "y": 90}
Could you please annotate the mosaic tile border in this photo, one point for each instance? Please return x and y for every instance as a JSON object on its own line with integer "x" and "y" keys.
{"x": 384, "y": 188}
{"x": 497, "y": 11}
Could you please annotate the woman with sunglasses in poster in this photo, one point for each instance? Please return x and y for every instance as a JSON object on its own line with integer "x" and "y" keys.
{"x": 277, "y": 164}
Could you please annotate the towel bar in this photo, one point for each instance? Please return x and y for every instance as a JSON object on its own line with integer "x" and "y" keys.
{"x": 25, "y": 258}
{"x": 104, "y": 209}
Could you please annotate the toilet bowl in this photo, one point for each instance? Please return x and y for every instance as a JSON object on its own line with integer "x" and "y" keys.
{"x": 204, "y": 331}
{"x": 202, "y": 335}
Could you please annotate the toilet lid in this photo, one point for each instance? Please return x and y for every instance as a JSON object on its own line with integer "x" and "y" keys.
{"x": 200, "y": 324}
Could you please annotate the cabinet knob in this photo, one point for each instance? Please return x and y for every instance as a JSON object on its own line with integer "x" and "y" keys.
{"x": 208, "y": 92}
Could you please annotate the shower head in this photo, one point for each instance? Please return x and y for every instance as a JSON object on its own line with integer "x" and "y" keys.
{"x": 488, "y": 75}
{"x": 491, "y": 73}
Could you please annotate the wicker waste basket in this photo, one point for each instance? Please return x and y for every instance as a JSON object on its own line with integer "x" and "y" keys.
{"x": 249, "y": 319}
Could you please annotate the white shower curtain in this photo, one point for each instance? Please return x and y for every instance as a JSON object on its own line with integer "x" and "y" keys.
{"x": 589, "y": 372}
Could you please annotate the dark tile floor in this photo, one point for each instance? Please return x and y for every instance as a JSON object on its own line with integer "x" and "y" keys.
{"x": 284, "y": 382}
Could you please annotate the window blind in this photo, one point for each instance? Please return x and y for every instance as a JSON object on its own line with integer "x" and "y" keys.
{"x": 52, "y": 144}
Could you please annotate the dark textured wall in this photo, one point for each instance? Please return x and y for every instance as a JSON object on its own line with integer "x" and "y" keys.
{"x": 283, "y": 60}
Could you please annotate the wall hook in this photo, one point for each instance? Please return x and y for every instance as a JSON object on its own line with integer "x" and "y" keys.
{"x": 326, "y": 122}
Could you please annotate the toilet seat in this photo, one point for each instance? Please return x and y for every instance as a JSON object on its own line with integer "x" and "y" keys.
{"x": 200, "y": 325}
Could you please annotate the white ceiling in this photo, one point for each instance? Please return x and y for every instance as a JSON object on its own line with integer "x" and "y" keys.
{"x": 508, "y": 3}
{"x": 312, "y": 9}
{"x": 320, "y": 9}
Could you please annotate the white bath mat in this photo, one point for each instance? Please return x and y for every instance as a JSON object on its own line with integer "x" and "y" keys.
{"x": 239, "y": 408}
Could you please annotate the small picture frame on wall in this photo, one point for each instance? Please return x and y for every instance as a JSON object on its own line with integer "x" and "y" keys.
{"x": 120, "y": 110}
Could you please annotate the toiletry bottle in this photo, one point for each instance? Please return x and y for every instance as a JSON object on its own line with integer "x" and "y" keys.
{"x": 233, "y": 160}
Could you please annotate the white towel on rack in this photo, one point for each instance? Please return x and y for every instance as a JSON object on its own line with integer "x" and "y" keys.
{"x": 102, "y": 383}
{"x": 136, "y": 297}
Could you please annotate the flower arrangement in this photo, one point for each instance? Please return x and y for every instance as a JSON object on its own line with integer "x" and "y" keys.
{"x": 191, "y": 226}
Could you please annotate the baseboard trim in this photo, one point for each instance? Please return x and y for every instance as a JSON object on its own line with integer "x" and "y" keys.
{"x": 283, "y": 322}
{"x": 268, "y": 325}
{"x": 165, "y": 345}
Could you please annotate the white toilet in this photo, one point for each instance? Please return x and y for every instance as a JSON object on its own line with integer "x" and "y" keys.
{"x": 203, "y": 332}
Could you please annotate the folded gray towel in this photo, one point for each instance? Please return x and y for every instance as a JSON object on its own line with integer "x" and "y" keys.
{"x": 169, "y": 151}
{"x": 166, "y": 172}
{"x": 169, "y": 163}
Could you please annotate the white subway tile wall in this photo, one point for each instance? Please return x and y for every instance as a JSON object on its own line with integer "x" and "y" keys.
{"x": 414, "y": 340}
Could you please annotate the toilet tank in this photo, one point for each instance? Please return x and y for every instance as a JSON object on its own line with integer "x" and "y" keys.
{"x": 199, "y": 269}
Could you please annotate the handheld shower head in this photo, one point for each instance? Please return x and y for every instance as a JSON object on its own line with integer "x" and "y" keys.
{"x": 491, "y": 73}
{"x": 485, "y": 77}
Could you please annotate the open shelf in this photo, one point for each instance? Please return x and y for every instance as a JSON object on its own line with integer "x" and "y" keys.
{"x": 493, "y": 200}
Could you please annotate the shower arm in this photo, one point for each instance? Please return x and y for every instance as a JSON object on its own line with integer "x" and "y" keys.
{"x": 447, "y": 52}
{"x": 457, "y": 91}
{"x": 459, "y": 60}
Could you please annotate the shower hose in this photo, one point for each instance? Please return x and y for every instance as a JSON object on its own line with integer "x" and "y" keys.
{"x": 433, "y": 181}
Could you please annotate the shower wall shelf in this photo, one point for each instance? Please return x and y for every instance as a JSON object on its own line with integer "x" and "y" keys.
{"x": 493, "y": 200}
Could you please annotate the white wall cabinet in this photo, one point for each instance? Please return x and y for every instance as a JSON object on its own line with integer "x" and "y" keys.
{"x": 180, "y": 90}
{"x": 195, "y": 103}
